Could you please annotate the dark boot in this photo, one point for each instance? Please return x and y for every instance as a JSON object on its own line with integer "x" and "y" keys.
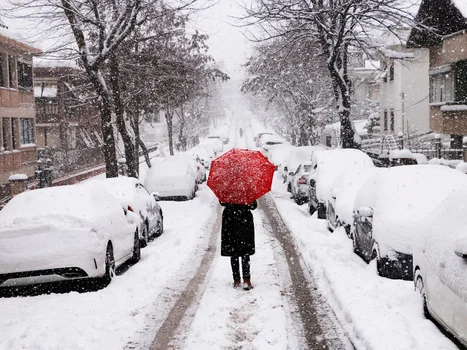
{"x": 237, "y": 283}
{"x": 247, "y": 284}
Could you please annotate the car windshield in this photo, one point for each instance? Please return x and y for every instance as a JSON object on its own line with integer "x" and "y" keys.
{"x": 189, "y": 174}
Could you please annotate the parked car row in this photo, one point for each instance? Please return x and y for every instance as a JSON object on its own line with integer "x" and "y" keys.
{"x": 76, "y": 232}
{"x": 409, "y": 218}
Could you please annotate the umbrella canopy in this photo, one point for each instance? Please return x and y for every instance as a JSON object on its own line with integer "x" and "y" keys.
{"x": 240, "y": 176}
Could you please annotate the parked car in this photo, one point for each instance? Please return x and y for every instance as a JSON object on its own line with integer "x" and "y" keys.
{"x": 174, "y": 178}
{"x": 214, "y": 144}
{"x": 326, "y": 167}
{"x": 222, "y": 136}
{"x": 299, "y": 183}
{"x": 269, "y": 141}
{"x": 388, "y": 210}
{"x": 259, "y": 135}
{"x": 65, "y": 233}
{"x": 132, "y": 195}
{"x": 203, "y": 154}
{"x": 296, "y": 157}
{"x": 279, "y": 154}
{"x": 440, "y": 260}
{"x": 339, "y": 211}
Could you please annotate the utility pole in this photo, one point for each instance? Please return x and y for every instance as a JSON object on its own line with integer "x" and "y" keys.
{"x": 403, "y": 112}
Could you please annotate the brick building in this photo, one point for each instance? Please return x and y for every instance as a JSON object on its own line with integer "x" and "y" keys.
{"x": 17, "y": 111}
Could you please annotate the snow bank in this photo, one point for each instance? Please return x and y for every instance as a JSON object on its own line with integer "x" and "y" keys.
{"x": 402, "y": 195}
{"x": 462, "y": 167}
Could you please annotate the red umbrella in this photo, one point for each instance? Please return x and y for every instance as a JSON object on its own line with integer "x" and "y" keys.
{"x": 240, "y": 176}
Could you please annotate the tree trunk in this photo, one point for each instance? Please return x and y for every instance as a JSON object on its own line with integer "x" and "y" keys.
{"x": 145, "y": 152}
{"x": 132, "y": 161}
{"x": 169, "y": 119}
{"x": 110, "y": 154}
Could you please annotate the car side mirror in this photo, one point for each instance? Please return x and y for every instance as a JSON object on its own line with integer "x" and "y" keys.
{"x": 312, "y": 183}
{"x": 286, "y": 169}
{"x": 365, "y": 212}
{"x": 460, "y": 254}
{"x": 156, "y": 196}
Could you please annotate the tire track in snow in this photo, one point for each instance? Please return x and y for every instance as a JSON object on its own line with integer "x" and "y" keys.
{"x": 188, "y": 298}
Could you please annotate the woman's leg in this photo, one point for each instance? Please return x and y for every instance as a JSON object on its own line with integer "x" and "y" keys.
{"x": 235, "y": 267}
{"x": 246, "y": 267}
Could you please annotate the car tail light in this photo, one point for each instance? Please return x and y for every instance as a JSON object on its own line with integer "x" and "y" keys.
{"x": 131, "y": 209}
{"x": 302, "y": 180}
{"x": 197, "y": 167}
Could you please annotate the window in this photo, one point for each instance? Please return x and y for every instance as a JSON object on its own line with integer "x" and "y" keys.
{"x": 385, "y": 121}
{"x": 392, "y": 120}
{"x": 71, "y": 138}
{"x": 5, "y": 127}
{"x": 26, "y": 131}
{"x": 24, "y": 75}
{"x": 2, "y": 82}
{"x": 442, "y": 88}
{"x": 11, "y": 71}
{"x": 14, "y": 137}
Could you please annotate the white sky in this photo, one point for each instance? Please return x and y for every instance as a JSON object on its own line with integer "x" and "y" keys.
{"x": 227, "y": 44}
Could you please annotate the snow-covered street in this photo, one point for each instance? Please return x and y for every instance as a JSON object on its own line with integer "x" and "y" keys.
{"x": 357, "y": 306}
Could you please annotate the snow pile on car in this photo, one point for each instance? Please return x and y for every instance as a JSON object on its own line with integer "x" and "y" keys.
{"x": 401, "y": 196}
{"x": 63, "y": 205}
{"x": 330, "y": 164}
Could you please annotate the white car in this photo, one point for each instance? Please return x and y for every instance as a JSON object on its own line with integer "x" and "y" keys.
{"x": 268, "y": 142}
{"x": 260, "y": 135}
{"x": 345, "y": 188}
{"x": 440, "y": 260}
{"x": 223, "y": 137}
{"x": 299, "y": 183}
{"x": 279, "y": 154}
{"x": 65, "y": 233}
{"x": 203, "y": 154}
{"x": 132, "y": 195}
{"x": 296, "y": 157}
{"x": 389, "y": 210}
{"x": 214, "y": 144}
{"x": 174, "y": 177}
{"x": 326, "y": 167}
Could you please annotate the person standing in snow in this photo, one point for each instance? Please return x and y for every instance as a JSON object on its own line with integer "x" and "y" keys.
{"x": 238, "y": 240}
{"x": 241, "y": 132}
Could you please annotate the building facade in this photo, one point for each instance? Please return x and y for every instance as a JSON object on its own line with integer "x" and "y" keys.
{"x": 404, "y": 87}
{"x": 67, "y": 120}
{"x": 17, "y": 110}
{"x": 447, "y": 44}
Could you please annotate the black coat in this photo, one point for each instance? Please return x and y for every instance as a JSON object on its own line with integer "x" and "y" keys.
{"x": 238, "y": 230}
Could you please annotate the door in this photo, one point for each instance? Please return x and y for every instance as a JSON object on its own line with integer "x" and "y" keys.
{"x": 364, "y": 236}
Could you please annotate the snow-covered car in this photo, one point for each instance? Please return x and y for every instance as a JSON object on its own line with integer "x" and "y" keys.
{"x": 326, "y": 167}
{"x": 279, "y": 154}
{"x": 174, "y": 177}
{"x": 259, "y": 135}
{"x": 339, "y": 211}
{"x": 268, "y": 142}
{"x": 299, "y": 183}
{"x": 296, "y": 157}
{"x": 440, "y": 260}
{"x": 214, "y": 144}
{"x": 200, "y": 168}
{"x": 221, "y": 136}
{"x": 203, "y": 154}
{"x": 65, "y": 233}
{"x": 132, "y": 195}
{"x": 389, "y": 208}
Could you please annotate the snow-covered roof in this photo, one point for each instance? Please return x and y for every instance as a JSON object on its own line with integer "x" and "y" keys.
{"x": 461, "y": 6}
{"x": 15, "y": 39}
{"x": 47, "y": 91}
{"x": 396, "y": 54}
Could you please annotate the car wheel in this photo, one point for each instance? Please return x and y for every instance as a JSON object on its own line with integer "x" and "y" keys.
{"x": 420, "y": 287}
{"x": 161, "y": 226}
{"x": 109, "y": 265}
{"x": 144, "y": 236}
{"x": 321, "y": 211}
{"x": 136, "y": 249}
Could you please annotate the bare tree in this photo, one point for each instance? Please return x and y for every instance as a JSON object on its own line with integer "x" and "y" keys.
{"x": 335, "y": 25}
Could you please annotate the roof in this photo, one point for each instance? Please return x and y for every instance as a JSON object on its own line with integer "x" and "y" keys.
{"x": 436, "y": 19}
{"x": 14, "y": 40}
